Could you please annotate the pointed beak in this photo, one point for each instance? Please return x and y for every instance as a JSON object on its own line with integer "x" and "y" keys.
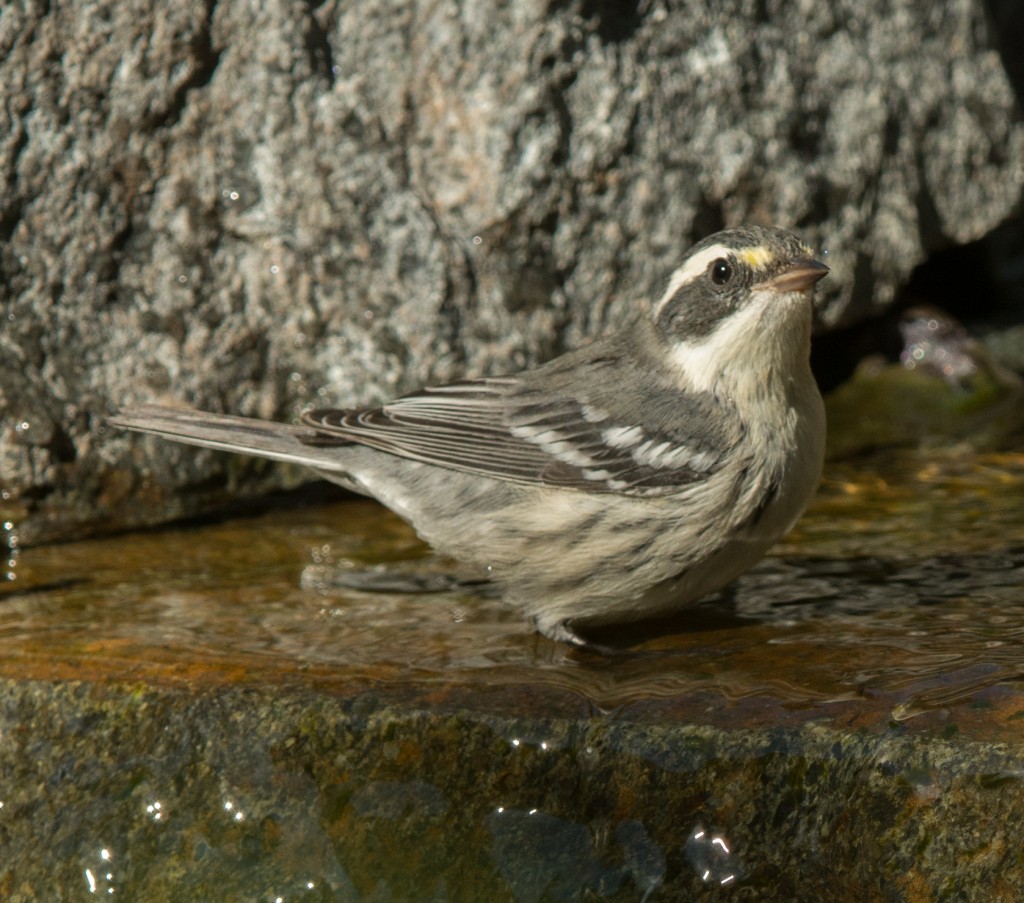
{"x": 799, "y": 275}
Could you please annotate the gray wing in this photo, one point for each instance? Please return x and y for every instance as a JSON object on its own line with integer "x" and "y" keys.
{"x": 510, "y": 430}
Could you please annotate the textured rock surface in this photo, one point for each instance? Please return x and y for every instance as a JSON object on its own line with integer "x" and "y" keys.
{"x": 254, "y": 206}
{"x": 333, "y": 798}
{"x": 184, "y": 719}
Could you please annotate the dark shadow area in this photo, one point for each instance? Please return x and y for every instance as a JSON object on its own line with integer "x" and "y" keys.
{"x": 312, "y": 494}
{"x": 17, "y": 591}
{"x": 799, "y": 589}
{"x": 980, "y": 284}
{"x": 1006, "y": 18}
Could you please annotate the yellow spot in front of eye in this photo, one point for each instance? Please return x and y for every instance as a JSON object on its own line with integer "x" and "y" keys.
{"x": 758, "y": 257}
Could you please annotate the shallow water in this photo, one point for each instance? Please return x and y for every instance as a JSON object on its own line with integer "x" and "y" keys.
{"x": 191, "y": 714}
{"x": 898, "y": 595}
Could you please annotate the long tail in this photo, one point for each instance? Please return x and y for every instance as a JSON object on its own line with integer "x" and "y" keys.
{"x": 235, "y": 434}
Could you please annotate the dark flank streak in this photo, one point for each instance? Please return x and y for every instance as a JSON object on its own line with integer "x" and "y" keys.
{"x": 640, "y": 549}
{"x": 581, "y": 532}
{"x": 769, "y": 496}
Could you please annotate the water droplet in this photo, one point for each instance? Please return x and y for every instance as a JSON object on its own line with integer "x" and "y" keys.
{"x": 711, "y": 857}
{"x": 12, "y": 550}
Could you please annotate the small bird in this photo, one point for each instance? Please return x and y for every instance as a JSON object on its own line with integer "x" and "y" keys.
{"x": 618, "y": 482}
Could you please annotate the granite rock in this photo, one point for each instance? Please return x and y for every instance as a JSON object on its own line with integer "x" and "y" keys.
{"x": 258, "y": 206}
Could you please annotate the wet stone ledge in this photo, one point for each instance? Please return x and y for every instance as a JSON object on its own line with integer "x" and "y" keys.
{"x": 191, "y": 714}
{"x": 237, "y": 793}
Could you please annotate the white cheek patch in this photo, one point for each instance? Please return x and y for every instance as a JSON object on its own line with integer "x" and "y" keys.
{"x": 693, "y": 269}
{"x": 700, "y": 363}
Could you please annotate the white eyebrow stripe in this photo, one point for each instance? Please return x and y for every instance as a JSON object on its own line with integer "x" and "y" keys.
{"x": 692, "y": 269}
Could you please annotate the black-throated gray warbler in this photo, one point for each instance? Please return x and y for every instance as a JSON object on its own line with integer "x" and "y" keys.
{"x": 617, "y": 482}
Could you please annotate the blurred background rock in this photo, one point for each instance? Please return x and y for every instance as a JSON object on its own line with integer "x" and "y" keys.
{"x": 257, "y": 206}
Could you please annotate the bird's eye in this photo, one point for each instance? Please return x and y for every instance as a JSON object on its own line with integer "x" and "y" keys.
{"x": 721, "y": 271}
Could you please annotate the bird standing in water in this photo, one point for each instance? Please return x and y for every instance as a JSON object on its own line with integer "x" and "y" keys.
{"x": 618, "y": 482}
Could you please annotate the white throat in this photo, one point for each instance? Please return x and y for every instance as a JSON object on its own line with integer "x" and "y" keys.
{"x": 763, "y": 347}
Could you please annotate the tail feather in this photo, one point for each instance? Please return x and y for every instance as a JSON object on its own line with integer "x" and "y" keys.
{"x": 279, "y": 441}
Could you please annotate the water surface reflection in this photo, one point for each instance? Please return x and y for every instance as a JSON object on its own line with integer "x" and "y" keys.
{"x": 900, "y": 590}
